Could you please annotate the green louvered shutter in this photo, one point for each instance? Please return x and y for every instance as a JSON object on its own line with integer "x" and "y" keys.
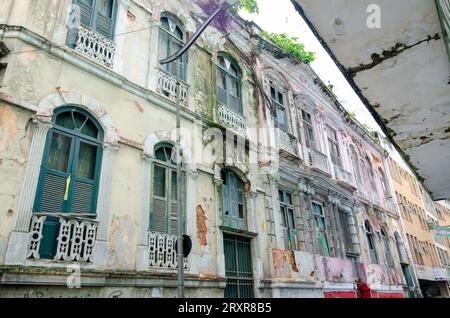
{"x": 86, "y": 10}
{"x": 105, "y": 17}
{"x": 84, "y": 178}
{"x": 158, "y": 219}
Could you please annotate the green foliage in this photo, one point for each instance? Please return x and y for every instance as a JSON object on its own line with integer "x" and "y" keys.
{"x": 291, "y": 45}
{"x": 251, "y": 6}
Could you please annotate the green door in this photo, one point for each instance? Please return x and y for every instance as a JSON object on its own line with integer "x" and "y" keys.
{"x": 238, "y": 267}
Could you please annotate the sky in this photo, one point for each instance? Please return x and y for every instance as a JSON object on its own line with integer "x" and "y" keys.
{"x": 280, "y": 16}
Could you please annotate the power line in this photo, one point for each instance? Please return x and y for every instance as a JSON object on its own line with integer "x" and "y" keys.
{"x": 63, "y": 45}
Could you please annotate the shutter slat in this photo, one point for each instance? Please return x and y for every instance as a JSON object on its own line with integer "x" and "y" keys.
{"x": 173, "y": 218}
{"x": 158, "y": 219}
{"x": 82, "y": 198}
{"x": 104, "y": 26}
{"x": 52, "y": 198}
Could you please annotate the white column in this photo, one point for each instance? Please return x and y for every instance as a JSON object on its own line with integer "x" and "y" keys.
{"x": 276, "y": 212}
{"x": 153, "y": 56}
{"x": 121, "y": 27}
{"x": 219, "y": 234}
{"x": 142, "y": 261}
{"x": 191, "y": 216}
{"x": 19, "y": 238}
{"x": 29, "y": 186}
{"x": 104, "y": 199}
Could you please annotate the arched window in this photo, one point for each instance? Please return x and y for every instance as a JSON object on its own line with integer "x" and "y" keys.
{"x": 229, "y": 83}
{"x": 279, "y": 108}
{"x": 321, "y": 227}
{"x": 384, "y": 184}
{"x": 371, "y": 243}
{"x": 171, "y": 39}
{"x": 288, "y": 219}
{"x": 355, "y": 164}
{"x": 98, "y": 15}
{"x": 387, "y": 248}
{"x": 70, "y": 171}
{"x": 369, "y": 172}
{"x": 233, "y": 200}
{"x": 163, "y": 212}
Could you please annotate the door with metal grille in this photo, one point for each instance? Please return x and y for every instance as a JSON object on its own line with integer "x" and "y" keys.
{"x": 238, "y": 267}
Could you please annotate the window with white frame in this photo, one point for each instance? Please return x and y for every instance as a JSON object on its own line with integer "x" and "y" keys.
{"x": 229, "y": 83}
{"x": 371, "y": 242}
{"x": 279, "y": 109}
{"x": 163, "y": 214}
{"x": 387, "y": 248}
{"x": 355, "y": 164}
{"x": 321, "y": 228}
{"x": 288, "y": 219}
{"x": 334, "y": 146}
{"x": 171, "y": 39}
{"x": 308, "y": 129}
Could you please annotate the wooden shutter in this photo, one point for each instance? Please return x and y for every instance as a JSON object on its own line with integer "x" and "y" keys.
{"x": 83, "y": 197}
{"x": 104, "y": 22}
{"x": 158, "y": 215}
{"x": 52, "y": 195}
{"x": 86, "y": 11}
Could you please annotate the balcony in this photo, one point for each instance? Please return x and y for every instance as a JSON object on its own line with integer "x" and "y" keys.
{"x": 95, "y": 46}
{"x": 75, "y": 241}
{"x": 344, "y": 178}
{"x": 162, "y": 251}
{"x": 288, "y": 143}
{"x": 319, "y": 161}
{"x": 232, "y": 120}
{"x": 167, "y": 86}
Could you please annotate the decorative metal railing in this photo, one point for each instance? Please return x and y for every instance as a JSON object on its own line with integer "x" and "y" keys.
{"x": 75, "y": 241}
{"x": 167, "y": 86}
{"x": 344, "y": 176}
{"x": 288, "y": 142}
{"x": 232, "y": 120}
{"x": 162, "y": 251}
{"x": 95, "y": 46}
{"x": 318, "y": 160}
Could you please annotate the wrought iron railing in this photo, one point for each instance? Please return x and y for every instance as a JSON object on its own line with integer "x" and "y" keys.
{"x": 167, "y": 86}
{"x": 162, "y": 251}
{"x": 75, "y": 241}
{"x": 95, "y": 46}
{"x": 318, "y": 160}
{"x": 232, "y": 120}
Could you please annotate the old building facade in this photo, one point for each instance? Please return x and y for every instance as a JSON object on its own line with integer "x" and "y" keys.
{"x": 297, "y": 202}
{"x": 421, "y": 217}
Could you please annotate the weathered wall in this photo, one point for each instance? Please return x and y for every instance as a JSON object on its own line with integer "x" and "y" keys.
{"x": 15, "y": 138}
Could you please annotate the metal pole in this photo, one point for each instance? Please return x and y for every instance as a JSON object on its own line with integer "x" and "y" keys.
{"x": 179, "y": 212}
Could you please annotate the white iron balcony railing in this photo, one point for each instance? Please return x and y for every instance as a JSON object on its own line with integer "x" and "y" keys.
{"x": 344, "y": 176}
{"x": 75, "y": 241}
{"x": 167, "y": 86}
{"x": 318, "y": 161}
{"x": 288, "y": 142}
{"x": 232, "y": 120}
{"x": 95, "y": 46}
{"x": 162, "y": 251}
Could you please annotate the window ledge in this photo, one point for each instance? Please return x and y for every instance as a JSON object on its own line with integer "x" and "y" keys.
{"x": 229, "y": 230}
